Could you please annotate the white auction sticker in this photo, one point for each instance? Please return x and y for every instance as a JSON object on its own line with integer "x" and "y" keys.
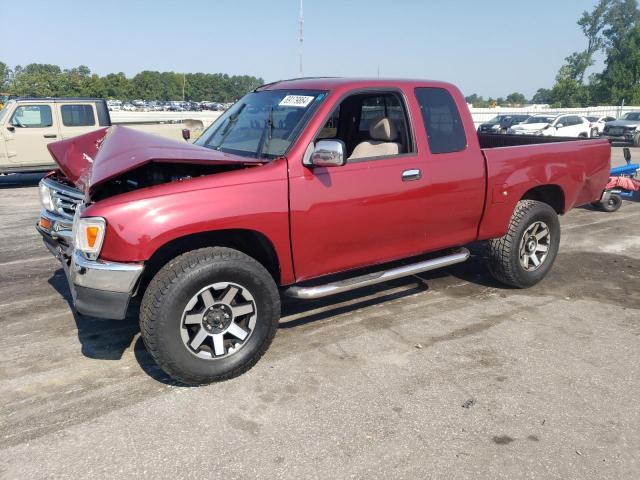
{"x": 296, "y": 101}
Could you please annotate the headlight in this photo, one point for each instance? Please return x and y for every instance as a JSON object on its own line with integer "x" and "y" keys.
{"x": 88, "y": 234}
{"x": 45, "y": 198}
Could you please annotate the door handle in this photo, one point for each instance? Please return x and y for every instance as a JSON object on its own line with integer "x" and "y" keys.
{"x": 50, "y": 135}
{"x": 409, "y": 175}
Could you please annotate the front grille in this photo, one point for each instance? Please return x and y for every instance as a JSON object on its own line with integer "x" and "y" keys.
{"x": 65, "y": 199}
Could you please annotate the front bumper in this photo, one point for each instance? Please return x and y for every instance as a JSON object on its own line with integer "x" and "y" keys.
{"x": 619, "y": 138}
{"x": 99, "y": 289}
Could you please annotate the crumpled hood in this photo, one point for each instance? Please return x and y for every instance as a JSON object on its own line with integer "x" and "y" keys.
{"x": 93, "y": 158}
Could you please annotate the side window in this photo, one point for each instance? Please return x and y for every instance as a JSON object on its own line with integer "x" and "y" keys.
{"x": 371, "y": 108}
{"x": 370, "y": 125}
{"x": 32, "y": 116}
{"x": 77, "y": 115}
{"x": 330, "y": 129}
{"x": 441, "y": 120}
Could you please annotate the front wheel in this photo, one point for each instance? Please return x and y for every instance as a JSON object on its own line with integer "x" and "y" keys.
{"x": 523, "y": 256}
{"x": 209, "y": 315}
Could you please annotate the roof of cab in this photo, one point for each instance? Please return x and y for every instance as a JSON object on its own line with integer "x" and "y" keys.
{"x": 58, "y": 99}
{"x": 333, "y": 83}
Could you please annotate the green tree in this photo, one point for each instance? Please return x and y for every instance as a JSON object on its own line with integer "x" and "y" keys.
{"x": 5, "y": 76}
{"x": 542, "y": 96}
{"x": 516, "y": 99}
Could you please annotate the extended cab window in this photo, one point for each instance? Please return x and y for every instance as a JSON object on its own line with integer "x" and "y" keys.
{"x": 32, "y": 116}
{"x": 445, "y": 132}
{"x": 77, "y": 115}
{"x": 370, "y": 125}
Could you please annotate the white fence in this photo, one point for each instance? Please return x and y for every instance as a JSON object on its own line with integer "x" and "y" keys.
{"x": 481, "y": 115}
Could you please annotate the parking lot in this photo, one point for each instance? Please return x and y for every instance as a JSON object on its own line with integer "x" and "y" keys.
{"x": 445, "y": 375}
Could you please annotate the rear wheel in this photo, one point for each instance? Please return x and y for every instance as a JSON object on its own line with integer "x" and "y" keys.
{"x": 523, "y": 256}
{"x": 209, "y": 315}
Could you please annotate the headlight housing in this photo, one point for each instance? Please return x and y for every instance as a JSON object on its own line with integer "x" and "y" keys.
{"x": 88, "y": 235}
{"x": 45, "y": 197}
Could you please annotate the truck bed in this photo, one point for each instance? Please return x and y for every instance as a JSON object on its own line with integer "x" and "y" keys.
{"x": 497, "y": 140}
{"x": 575, "y": 168}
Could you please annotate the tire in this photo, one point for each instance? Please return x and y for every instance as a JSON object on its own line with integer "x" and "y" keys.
{"x": 613, "y": 204}
{"x": 189, "y": 309}
{"x": 506, "y": 255}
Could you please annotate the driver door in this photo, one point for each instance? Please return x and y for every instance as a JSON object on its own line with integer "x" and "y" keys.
{"x": 368, "y": 211}
{"x": 30, "y": 129}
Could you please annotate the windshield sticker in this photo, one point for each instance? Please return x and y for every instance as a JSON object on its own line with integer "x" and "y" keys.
{"x": 296, "y": 101}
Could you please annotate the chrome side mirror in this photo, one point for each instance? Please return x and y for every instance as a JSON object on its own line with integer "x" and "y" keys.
{"x": 328, "y": 153}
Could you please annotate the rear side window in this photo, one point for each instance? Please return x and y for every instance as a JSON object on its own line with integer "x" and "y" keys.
{"x": 32, "y": 116}
{"x": 77, "y": 115}
{"x": 441, "y": 120}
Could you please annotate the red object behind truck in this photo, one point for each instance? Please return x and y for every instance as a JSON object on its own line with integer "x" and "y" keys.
{"x": 307, "y": 188}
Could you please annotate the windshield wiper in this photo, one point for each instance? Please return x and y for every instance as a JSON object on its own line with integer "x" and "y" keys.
{"x": 227, "y": 128}
{"x": 265, "y": 140}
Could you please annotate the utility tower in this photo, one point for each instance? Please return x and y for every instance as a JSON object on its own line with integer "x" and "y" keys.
{"x": 300, "y": 34}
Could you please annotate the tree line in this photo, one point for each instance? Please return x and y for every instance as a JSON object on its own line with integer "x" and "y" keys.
{"x": 612, "y": 30}
{"x": 45, "y": 80}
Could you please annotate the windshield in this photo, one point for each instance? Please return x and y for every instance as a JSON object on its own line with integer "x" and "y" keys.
{"x": 541, "y": 120}
{"x": 262, "y": 124}
{"x": 593, "y": 119}
{"x": 631, "y": 116}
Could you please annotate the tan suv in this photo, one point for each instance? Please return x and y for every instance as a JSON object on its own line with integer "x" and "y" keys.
{"x": 27, "y": 125}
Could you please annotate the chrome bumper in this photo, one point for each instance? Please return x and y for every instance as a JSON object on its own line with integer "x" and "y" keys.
{"x": 99, "y": 288}
{"x": 101, "y": 275}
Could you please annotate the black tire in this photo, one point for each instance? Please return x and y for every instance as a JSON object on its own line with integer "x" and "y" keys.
{"x": 504, "y": 253}
{"x": 613, "y": 204}
{"x": 165, "y": 301}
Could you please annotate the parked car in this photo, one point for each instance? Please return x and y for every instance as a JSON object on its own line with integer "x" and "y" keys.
{"x": 502, "y": 123}
{"x": 554, "y": 126}
{"x": 28, "y": 125}
{"x": 626, "y": 129}
{"x": 598, "y": 123}
{"x": 304, "y": 188}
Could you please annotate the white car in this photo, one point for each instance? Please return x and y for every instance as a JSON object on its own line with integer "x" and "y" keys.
{"x": 597, "y": 124}
{"x": 554, "y": 126}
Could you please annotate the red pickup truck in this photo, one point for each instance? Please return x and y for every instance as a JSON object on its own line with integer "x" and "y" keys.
{"x": 307, "y": 188}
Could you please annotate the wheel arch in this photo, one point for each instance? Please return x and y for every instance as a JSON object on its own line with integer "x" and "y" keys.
{"x": 552, "y": 195}
{"x": 251, "y": 242}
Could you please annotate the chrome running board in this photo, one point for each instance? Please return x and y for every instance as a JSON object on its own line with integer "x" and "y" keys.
{"x": 327, "y": 289}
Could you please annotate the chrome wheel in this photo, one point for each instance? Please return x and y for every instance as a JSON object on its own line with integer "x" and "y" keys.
{"x": 218, "y": 321}
{"x": 534, "y": 246}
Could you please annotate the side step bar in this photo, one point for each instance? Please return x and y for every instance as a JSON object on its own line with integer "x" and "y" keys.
{"x": 325, "y": 290}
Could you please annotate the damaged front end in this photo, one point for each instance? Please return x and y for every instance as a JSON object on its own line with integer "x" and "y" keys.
{"x": 96, "y": 166}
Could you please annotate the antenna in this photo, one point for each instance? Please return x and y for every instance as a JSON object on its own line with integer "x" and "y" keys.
{"x": 300, "y": 34}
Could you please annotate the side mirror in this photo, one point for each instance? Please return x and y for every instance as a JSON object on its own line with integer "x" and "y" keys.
{"x": 328, "y": 153}
{"x": 627, "y": 155}
{"x": 186, "y": 134}
{"x": 11, "y": 128}
{"x": 560, "y": 125}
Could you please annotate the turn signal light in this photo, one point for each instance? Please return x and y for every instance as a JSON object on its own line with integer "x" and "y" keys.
{"x": 92, "y": 235}
{"x": 45, "y": 223}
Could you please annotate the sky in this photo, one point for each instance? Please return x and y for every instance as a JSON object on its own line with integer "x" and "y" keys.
{"x": 491, "y": 48}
